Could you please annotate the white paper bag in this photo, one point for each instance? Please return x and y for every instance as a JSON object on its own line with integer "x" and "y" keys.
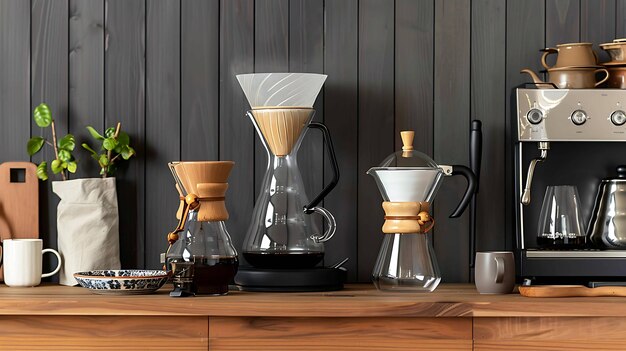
{"x": 87, "y": 225}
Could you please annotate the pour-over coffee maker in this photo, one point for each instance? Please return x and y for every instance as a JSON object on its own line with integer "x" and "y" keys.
{"x": 283, "y": 243}
{"x": 200, "y": 256}
{"x": 408, "y": 181}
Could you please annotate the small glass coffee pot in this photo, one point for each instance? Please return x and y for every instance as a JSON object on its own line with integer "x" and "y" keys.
{"x": 408, "y": 181}
{"x": 201, "y": 257}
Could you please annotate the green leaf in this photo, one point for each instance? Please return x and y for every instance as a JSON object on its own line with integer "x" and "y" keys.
{"x": 34, "y": 145}
{"x": 65, "y": 155}
{"x": 123, "y": 138}
{"x": 57, "y": 166}
{"x": 42, "y": 115}
{"x": 86, "y": 147}
{"x": 109, "y": 144}
{"x": 94, "y": 133}
{"x": 71, "y": 166}
{"x": 110, "y": 132}
{"x": 127, "y": 152}
{"x": 42, "y": 171}
{"x": 67, "y": 143}
{"x": 104, "y": 160}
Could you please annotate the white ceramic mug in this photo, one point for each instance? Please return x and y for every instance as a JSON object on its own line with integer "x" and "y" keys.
{"x": 22, "y": 262}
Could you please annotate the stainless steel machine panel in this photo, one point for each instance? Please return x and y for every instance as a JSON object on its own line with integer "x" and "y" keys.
{"x": 571, "y": 115}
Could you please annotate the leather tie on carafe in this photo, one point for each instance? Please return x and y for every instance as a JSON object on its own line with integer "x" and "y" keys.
{"x": 407, "y": 218}
{"x": 210, "y": 206}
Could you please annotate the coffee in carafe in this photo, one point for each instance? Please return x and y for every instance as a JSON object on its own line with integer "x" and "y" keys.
{"x": 201, "y": 257}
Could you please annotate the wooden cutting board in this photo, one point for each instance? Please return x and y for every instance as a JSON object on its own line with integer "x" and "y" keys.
{"x": 571, "y": 291}
{"x": 19, "y": 201}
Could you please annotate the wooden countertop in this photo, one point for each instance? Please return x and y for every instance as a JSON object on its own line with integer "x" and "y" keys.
{"x": 360, "y": 300}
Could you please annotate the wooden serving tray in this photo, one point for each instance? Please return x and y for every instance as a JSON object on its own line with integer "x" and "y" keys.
{"x": 571, "y": 291}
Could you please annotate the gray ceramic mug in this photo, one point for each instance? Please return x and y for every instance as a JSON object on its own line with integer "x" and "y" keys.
{"x": 494, "y": 272}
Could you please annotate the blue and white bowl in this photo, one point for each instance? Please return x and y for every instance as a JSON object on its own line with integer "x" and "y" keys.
{"x": 122, "y": 281}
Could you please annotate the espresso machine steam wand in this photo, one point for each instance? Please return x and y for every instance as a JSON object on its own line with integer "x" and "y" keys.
{"x": 543, "y": 146}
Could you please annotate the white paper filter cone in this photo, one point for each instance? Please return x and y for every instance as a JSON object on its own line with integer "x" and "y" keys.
{"x": 281, "y": 89}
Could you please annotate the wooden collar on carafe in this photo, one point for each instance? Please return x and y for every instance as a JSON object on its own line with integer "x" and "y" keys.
{"x": 407, "y": 218}
{"x": 210, "y": 206}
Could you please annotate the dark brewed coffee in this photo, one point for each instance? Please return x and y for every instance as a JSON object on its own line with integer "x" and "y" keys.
{"x": 212, "y": 275}
{"x": 294, "y": 260}
{"x": 205, "y": 275}
{"x": 561, "y": 243}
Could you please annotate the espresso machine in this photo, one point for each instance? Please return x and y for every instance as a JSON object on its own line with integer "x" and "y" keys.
{"x": 566, "y": 142}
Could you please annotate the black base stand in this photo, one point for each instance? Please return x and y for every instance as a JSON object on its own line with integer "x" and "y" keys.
{"x": 290, "y": 280}
{"x": 178, "y": 292}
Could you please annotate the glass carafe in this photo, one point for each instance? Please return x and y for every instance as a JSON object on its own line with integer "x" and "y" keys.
{"x": 408, "y": 181}
{"x": 201, "y": 256}
{"x": 282, "y": 233}
{"x": 560, "y": 221}
{"x": 406, "y": 262}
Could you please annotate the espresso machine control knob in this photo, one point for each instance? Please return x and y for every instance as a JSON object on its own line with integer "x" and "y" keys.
{"x": 534, "y": 116}
{"x": 579, "y": 117}
{"x": 618, "y": 117}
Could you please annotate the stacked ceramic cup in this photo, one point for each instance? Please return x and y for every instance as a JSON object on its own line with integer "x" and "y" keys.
{"x": 576, "y": 66}
{"x": 617, "y": 65}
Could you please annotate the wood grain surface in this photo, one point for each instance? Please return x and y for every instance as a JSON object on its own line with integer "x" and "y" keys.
{"x": 340, "y": 116}
{"x": 200, "y": 81}
{"x": 162, "y": 123}
{"x": 549, "y": 333}
{"x": 452, "y": 122}
{"x": 227, "y": 333}
{"x": 15, "y": 97}
{"x": 236, "y": 57}
{"x": 49, "y": 84}
{"x": 376, "y": 115}
{"x": 103, "y": 333}
{"x": 86, "y": 78}
{"x": 355, "y": 301}
{"x": 125, "y": 102}
{"x": 488, "y": 104}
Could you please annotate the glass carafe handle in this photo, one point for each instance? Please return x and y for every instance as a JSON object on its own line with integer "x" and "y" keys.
{"x": 332, "y": 225}
{"x": 310, "y": 208}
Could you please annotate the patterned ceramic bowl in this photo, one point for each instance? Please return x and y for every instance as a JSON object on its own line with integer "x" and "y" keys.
{"x": 122, "y": 282}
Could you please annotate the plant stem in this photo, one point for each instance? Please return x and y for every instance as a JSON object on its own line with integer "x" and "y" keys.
{"x": 56, "y": 151}
{"x": 117, "y": 132}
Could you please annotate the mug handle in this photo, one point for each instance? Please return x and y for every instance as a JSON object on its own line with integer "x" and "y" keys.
{"x": 548, "y": 51}
{"x": 499, "y": 269}
{"x": 605, "y": 77}
{"x": 56, "y": 270}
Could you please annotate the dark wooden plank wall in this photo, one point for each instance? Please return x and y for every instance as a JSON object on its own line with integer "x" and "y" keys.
{"x": 166, "y": 69}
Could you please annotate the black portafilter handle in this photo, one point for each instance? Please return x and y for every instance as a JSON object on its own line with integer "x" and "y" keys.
{"x": 476, "y": 148}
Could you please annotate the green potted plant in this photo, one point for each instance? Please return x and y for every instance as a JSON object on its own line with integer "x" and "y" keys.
{"x": 87, "y": 215}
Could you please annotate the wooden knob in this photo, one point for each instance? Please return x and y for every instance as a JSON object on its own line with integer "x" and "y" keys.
{"x": 407, "y": 139}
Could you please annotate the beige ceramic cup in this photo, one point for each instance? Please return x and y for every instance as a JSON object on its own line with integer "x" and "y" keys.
{"x": 576, "y": 77}
{"x": 571, "y": 55}
{"x": 494, "y": 272}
